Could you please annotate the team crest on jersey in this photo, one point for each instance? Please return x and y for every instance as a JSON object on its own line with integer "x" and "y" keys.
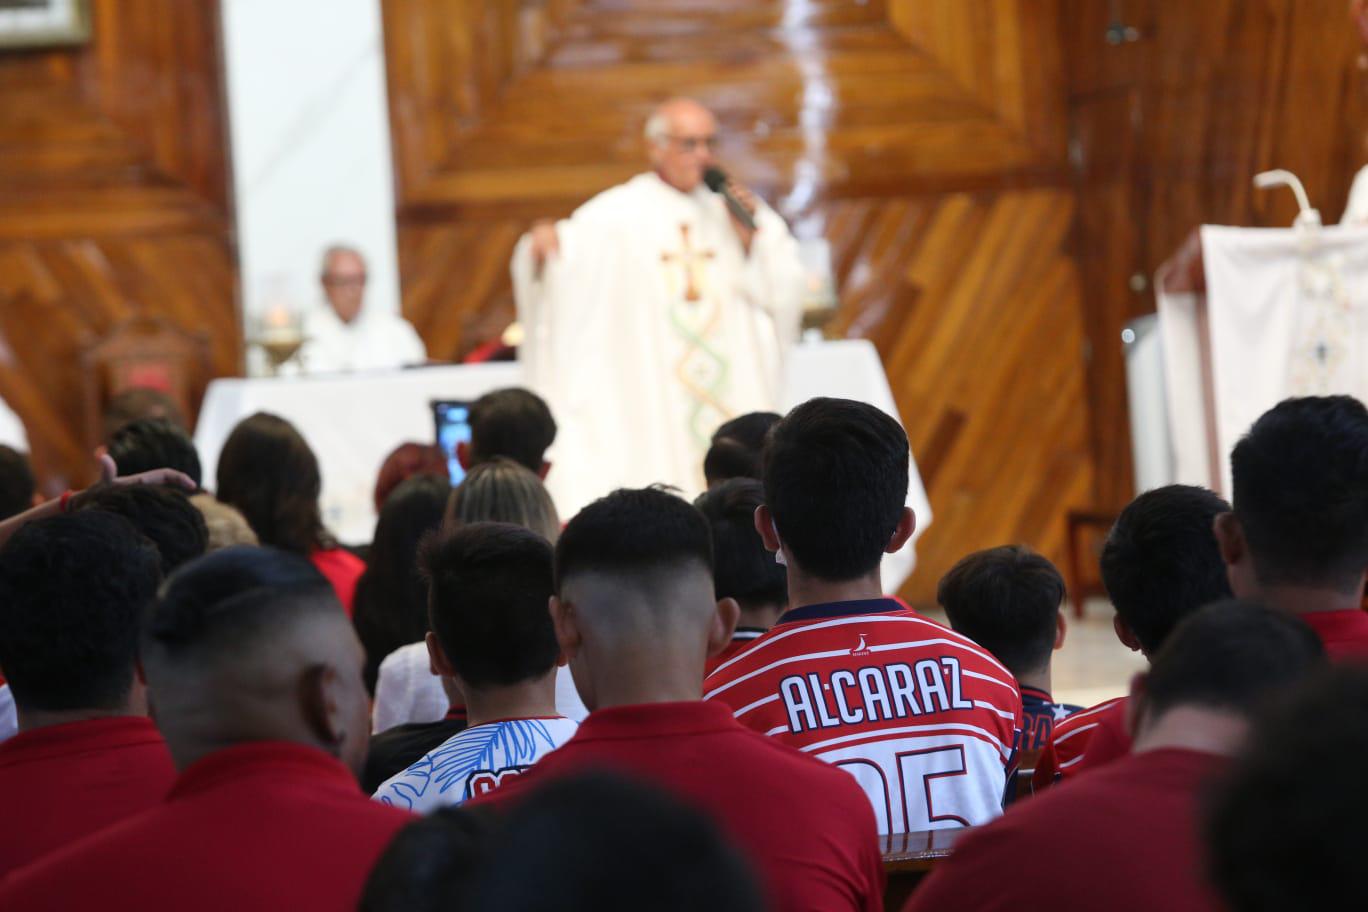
{"x": 860, "y": 648}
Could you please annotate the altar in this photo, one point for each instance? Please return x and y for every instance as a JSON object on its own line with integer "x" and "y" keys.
{"x": 353, "y": 421}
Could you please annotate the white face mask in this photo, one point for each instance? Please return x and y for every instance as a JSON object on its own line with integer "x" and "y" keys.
{"x": 779, "y": 557}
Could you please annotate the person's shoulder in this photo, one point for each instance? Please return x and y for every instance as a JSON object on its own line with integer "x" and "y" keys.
{"x": 617, "y": 203}
{"x": 1086, "y": 719}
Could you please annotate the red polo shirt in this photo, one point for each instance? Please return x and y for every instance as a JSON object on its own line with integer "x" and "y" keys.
{"x": 1123, "y": 837}
{"x": 806, "y": 827}
{"x": 1344, "y": 633}
{"x": 61, "y": 783}
{"x": 266, "y": 825}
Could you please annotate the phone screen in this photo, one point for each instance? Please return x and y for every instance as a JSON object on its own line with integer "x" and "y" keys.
{"x": 453, "y": 427}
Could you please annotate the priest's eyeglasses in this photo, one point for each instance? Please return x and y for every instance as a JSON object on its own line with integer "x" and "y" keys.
{"x": 693, "y": 143}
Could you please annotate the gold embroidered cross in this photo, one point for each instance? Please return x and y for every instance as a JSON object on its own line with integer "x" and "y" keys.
{"x": 691, "y": 259}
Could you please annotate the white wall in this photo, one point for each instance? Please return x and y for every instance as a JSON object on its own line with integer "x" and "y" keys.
{"x": 310, "y": 145}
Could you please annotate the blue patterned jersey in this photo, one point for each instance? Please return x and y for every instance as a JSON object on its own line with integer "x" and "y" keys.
{"x": 473, "y": 762}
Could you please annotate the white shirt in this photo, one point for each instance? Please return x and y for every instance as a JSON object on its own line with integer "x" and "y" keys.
{"x": 473, "y": 762}
{"x": 12, "y": 432}
{"x": 407, "y": 691}
{"x": 375, "y": 340}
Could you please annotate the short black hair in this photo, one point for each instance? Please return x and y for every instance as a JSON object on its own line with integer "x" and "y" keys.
{"x": 634, "y": 532}
{"x": 162, "y": 514}
{"x": 430, "y": 864}
{"x": 226, "y": 603}
{"x": 515, "y": 423}
{"x": 490, "y": 586}
{"x": 597, "y": 841}
{"x": 73, "y": 591}
{"x": 737, "y": 447}
{"x": 1301, "y": 492}
{"x": 1282, "y": 826}
{"x": 1007, "y": 600}
{"x": 1161, "y": 562}
{"x": 836, "y": 484}
{"x": 154, "y": 443}
{"x": 742, "y": 568}
{"x": 16, "y": 482}
{"x": 1231, "y": 655}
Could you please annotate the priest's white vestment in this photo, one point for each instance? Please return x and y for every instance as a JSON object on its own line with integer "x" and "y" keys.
{"x": 375, "y": 340}
{"x": 651, "y": 327}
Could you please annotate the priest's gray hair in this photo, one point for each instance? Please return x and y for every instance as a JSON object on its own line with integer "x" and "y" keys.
{"x": 657, "y": 129}
{"x": 333, "y": 250}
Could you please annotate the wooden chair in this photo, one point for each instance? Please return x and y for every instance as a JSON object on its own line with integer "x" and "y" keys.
{"x": 908, "y": 857}
{"x": 142, "y": 351}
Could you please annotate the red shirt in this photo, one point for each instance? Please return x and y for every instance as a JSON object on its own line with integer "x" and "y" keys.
{"x": 1085, "y": 740}
{"x": 343, "y": 569}
{"x": 267, "y": 825}
{"x": 1121, "y": 838}
{"x": 925, "y": 720}
{"x": 741, "y": 638}
{"x": 1344, "y": 633}
{"x": 806, "y": 828}
{"x": 61, "y": 783}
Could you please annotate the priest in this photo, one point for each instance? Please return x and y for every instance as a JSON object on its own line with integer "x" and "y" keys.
{"x": 654, "y": 313}
{"x": 342, "y": 334}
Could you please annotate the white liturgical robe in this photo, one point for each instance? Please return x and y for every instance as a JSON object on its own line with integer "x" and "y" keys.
{"x": 650, "y": 328}
{"x": 375, "y": 340}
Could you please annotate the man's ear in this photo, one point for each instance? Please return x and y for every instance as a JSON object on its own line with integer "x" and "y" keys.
{"x": 438, "y": 663}
{"x": 545, "y": 468}
{"x": 321, "y": 700}
{"x": 764, "y": 525}
{"x": 1061, "y": 628}
{"x": 1135, "y": 706}
{"x": 1126, "y": 635}
{"x": 907, "y": 524}
{"x": 566, "y": 624}
{"x": 1230, "y": 538}
{"x": 463, "y": 454}
{"x": 723, "y": 625}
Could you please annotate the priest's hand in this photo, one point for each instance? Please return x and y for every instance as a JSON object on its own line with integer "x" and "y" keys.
{"x": 747, "y": 199}
{"x": 545, "y": 244}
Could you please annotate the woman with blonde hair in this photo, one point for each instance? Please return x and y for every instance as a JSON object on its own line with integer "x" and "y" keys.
{"x": 414, "y": 709}
{"x": 501, "y": 490}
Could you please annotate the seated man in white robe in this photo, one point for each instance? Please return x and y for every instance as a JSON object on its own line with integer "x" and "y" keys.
{"x": 342, "y": 334}
{"x": 653, "y": 314}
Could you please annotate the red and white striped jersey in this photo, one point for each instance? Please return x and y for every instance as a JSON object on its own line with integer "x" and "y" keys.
{"x": 1087, "y": 739}
{"x": 924, "y": 719}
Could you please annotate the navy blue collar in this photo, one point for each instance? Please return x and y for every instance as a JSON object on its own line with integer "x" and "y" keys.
{"x": 841, "y": 609}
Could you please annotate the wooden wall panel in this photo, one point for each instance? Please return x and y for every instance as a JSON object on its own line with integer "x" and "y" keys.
{"x": 926, "y": 141}
{"x": 114, "y": 199}
{"x": 1169, "y": 131}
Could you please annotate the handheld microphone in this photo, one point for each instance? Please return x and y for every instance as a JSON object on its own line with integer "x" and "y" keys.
{"x": 716, "y": 179}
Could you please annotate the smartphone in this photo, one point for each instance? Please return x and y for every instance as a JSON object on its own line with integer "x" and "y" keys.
{"x": 451, "y": 418}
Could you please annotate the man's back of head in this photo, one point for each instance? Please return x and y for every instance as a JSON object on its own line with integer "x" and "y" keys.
{"x": 250, "y": 644}
{"x": 1301, "y": 494}
{"x": 16, "y": 482}
{"x": 73, "y": 592}
{"x": 634, "y": 582}
{"x": 1007, "y": 600}
{"x": 836, "y": 476}
{"x": 742, "y": 568}
{"x": 162, "y": 514}
{"x": 515, "y": 423}
{"x": 154, "y": 443}
{"x": 1282, "y": 829}
{"x": 1161, "y": 562}
{"x": 737, "y": 448}
{"x": 489, "y": 588}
